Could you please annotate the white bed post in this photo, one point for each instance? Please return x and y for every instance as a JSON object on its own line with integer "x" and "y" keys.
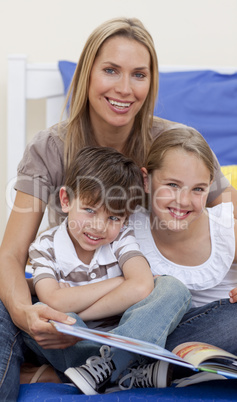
{"x": 16, "y": 120}
{"x": 16, "y": 106}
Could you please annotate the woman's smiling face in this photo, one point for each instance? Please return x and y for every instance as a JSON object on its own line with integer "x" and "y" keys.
{"x": 119, "y": 83}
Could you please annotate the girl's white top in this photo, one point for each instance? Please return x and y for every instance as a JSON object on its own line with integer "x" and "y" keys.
{"x": 209, "y": 281}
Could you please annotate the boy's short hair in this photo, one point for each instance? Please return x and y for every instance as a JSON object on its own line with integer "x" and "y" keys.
{"x": 102, "y": 176}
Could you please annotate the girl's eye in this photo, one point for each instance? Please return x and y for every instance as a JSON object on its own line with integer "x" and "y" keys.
{"x": 172, "y": 185}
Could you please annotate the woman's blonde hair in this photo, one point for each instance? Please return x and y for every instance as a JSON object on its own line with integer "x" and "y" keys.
{"x": 79, "y": 131}
{"x": 186, "y": 138}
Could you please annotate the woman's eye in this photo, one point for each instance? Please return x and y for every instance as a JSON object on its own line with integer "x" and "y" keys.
{"x": 109, "y": 71}
{"x": 139, "y": 75}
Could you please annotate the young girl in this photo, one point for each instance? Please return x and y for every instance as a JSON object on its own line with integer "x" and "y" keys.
{"x": 181, "y": 237}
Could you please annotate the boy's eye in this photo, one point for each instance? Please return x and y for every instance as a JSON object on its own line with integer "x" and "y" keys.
{"x": 172, "y": 185}
{"x": 89, "y": 210}
{"x": 115, "y": 218}
{"x": 198, "y": 189}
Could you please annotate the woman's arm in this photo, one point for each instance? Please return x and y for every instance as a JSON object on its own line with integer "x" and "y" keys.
{"x": 14, "y": 291}
{"x": 233, "y": 292}
{"x": 138, "y": 284}
{"x": 76, "y": 298}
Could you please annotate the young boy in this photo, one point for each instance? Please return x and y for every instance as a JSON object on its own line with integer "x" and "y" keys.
{"x": 91, "y": 266}
{"x": 93, "y": 247}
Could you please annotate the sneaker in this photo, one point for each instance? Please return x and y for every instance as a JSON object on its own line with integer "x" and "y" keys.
{"x": 93, "y": 377}
{"x": 154, "y": 375}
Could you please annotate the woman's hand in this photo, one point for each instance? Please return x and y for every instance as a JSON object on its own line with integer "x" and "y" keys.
{"x": 21, "y": 230}
{"x": 37, "y": 325}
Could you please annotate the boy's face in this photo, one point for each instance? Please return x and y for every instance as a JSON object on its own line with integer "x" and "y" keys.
{"x": 89, "y": 227}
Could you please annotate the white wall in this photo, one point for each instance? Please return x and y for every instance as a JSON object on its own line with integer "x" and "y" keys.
{"x": 202, "y": 32}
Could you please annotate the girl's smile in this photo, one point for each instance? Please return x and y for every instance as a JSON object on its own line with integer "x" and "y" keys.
{"x": 178, "y": 214}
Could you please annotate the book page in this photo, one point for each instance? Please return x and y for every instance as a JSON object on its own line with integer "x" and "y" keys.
{"x": 122, "y": 342}
{"x": 197, "y": 352}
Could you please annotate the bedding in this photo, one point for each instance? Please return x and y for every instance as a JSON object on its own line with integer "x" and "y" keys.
{"x": 221, "y": 391}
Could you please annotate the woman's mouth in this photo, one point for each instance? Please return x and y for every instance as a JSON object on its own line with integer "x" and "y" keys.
{"x": 118, "y": 104}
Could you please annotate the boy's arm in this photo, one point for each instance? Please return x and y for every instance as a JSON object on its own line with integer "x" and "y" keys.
{"x": 76, "y": 299}
{"x": 48, "y": 288}
{"x": 138, "y": 284}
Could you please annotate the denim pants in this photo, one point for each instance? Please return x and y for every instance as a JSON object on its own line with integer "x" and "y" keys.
{"x": 214, "y": 323}
{"x": 12, "y": 350}
{"x": 152, "y": 319}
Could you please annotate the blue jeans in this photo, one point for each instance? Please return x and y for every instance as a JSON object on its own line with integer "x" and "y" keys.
{"x": 214, "y": 323}
{"x": 152, "y": 320}
{"x": 11, "y": 357}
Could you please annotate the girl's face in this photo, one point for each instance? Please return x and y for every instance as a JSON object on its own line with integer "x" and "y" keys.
{"x": 119, "y": 83}
{"x": 89, "y": 227}
{"x": 178, "y": 190}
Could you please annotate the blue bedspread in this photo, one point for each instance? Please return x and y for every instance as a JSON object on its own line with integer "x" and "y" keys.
{"x": 222, "y": 390}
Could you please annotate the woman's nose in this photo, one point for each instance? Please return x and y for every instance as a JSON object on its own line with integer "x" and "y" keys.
{"x": 123, "y": 85}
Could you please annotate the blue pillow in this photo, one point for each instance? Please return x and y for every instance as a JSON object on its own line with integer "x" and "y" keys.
{"x": 204, "y": 99}
{"x": 66, "y": 69}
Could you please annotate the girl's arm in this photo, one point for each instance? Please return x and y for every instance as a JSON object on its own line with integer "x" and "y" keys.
{"x": 14, "y": 291}
{"x": 138, "y": 284}
{"x": 77, "y": 298}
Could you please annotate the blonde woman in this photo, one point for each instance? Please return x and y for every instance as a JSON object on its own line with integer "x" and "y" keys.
{"x": 112, "y": 99}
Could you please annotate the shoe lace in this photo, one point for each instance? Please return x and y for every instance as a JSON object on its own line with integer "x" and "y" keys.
{"x": 140, "y": 377}
{"x": 100, "y": 367}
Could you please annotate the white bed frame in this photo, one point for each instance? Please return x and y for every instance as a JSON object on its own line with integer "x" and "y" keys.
{"x": 29, "y": 81}
{"x": 42, "y": 81}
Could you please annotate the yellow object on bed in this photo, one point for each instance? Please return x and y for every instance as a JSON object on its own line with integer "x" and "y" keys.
{"x": 230, "y": 172}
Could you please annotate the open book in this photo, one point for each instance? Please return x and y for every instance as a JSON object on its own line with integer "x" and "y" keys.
{"x": 194, "y": 355}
